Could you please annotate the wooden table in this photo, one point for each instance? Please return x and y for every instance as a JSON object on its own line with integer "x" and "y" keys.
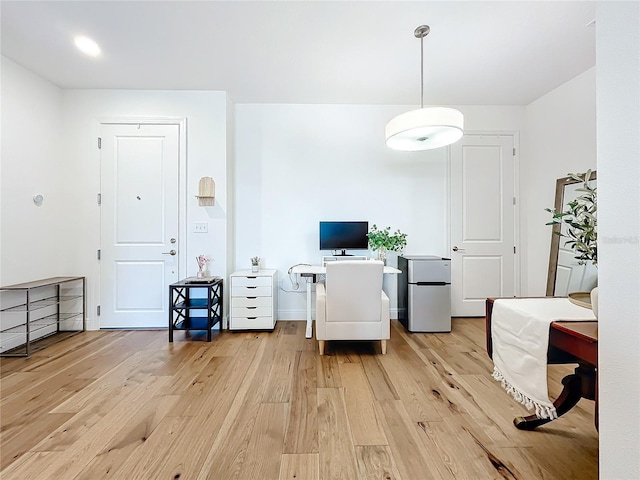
{"x": 569, "y": 342}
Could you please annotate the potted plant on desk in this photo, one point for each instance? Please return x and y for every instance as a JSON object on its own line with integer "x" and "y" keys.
{"x": 383, "y": 240}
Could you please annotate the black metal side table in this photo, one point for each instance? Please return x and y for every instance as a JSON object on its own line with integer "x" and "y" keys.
{"x": 191, "y": 296}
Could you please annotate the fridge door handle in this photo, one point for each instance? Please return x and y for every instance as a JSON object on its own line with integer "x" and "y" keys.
{"x": 432, "y": 283}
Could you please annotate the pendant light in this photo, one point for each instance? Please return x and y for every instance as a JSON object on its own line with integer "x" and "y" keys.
{"x": 424, "y": 128}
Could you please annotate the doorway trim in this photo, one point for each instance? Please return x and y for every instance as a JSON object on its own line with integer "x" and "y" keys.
{"x": 181, "y": 122}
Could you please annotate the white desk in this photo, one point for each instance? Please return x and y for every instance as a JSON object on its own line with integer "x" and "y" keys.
{"x": 311, "y": 271}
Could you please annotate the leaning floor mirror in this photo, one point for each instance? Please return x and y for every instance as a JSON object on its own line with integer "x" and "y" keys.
{"x": 566, "y": 273}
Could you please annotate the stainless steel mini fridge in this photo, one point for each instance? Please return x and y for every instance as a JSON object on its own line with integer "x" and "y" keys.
{"x": 424, "y": 293}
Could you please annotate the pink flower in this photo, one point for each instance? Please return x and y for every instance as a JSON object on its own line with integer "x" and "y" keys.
{"x": 202, "y": 262}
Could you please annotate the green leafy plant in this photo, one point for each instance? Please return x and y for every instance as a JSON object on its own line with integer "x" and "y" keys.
{"x": 581, "y": 220}
{"x": 383, "y": 238}
{"x": 255, "y": 261}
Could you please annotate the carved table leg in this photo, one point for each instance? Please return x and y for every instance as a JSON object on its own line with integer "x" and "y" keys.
{"x": 577, "y": 385}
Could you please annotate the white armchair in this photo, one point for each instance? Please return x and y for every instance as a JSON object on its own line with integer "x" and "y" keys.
{"x": 351, "y": 305}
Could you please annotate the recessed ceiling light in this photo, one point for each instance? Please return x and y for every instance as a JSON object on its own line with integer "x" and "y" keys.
{"x": 87, "y": 46}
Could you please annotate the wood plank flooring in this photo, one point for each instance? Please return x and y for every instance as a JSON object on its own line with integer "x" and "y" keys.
{"x": 264, "y": 405}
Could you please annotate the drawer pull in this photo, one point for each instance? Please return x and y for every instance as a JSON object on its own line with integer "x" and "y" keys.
{"x": 251, "y": 287}
{"x": 252, "y": 298}
{"x": 252, "y": 277}
{"x": 252, "y": 318}
{"x": 251, "y": 308}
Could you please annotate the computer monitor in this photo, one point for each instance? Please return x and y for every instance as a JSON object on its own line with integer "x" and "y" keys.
{"x": 344, "y": 236}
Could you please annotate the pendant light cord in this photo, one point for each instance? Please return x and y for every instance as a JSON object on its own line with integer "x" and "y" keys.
{"x": 421, "y": 32}
{"x": 421, "y": 72}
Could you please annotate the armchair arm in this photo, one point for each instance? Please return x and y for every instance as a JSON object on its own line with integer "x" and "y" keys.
{"x": 385, "y": 316}
{"x": 321, "y": 308}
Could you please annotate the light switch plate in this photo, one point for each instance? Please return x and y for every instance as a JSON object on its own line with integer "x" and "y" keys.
{"x": 200, "y": 227}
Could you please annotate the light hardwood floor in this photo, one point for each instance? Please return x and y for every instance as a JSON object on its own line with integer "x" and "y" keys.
{"x": 129, "y": 405}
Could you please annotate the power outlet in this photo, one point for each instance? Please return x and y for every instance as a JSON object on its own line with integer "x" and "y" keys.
{"x": 200, "y": 227}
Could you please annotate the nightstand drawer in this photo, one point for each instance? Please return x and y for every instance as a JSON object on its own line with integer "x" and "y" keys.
{"x": 251, "y": 282}
{"x": 252, "y": 311}
{"x": 251, "y": 323}
{"x": 251, "y": 291}
{"x": 251, "y": 302}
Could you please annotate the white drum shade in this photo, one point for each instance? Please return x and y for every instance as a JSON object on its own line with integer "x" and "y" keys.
{"x": 424, "y": 129}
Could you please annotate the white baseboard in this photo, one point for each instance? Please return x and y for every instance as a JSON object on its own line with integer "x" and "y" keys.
{"x": 295, "y": 314}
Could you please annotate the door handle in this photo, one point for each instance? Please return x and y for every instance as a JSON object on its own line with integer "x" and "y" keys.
{"x": 456, "y": 249}
{"x": 170, "y": 252}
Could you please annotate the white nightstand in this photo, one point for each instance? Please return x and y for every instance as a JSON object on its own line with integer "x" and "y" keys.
{"x": 254, "y": 300}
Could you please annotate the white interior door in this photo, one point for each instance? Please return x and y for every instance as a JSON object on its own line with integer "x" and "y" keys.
{"x": 139, "y": 167}
{"x": 482, "y": 222}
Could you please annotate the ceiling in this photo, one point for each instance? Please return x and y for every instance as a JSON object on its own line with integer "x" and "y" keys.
{"x": 327, "y": 52}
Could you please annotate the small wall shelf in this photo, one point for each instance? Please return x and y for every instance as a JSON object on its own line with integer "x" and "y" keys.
{"x": 206, "y": 192}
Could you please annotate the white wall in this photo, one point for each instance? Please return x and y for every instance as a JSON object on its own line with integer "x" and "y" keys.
{"x": 34, "y": 241}
{"x": 205, "y": 112}
{"x": 560, "y": 139}
{"x": 618, "y": 100}
{"x": 299, "y": 164}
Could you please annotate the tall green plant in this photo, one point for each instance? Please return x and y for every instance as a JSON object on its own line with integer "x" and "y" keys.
{"x": 581, "y": 220}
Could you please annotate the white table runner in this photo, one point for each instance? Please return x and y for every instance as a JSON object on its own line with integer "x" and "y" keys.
{"x": 520, "y": 337}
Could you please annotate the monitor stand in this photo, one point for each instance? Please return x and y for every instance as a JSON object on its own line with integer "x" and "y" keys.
{"x": 337, "y": 258}
{"x": 343, "y": 254}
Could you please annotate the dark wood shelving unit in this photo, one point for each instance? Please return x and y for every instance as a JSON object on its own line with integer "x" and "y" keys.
{"x": 195, "y": 304}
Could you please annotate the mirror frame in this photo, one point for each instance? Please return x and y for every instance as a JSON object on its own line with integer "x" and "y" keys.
{"x": 555, "y": 231}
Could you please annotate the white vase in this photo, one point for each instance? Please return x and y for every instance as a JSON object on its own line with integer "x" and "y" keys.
{"x": 255, "y": 268}
{"x": 594, "y": 301}
{"x": 382, "y": 255}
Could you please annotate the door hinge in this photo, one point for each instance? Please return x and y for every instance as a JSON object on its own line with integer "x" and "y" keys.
{"x": 514, "y": 200}
{"x": 99, "y": 143}
{"x": 98, "y": 310}
{"x": 514, "y": 249}
{"x": 514, "y": 152}
{"x": 99, "y": 199}
{"x": 99, "y": 254}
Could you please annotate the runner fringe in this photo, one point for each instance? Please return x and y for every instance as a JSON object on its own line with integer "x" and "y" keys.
{"x": 542, "y": 411}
